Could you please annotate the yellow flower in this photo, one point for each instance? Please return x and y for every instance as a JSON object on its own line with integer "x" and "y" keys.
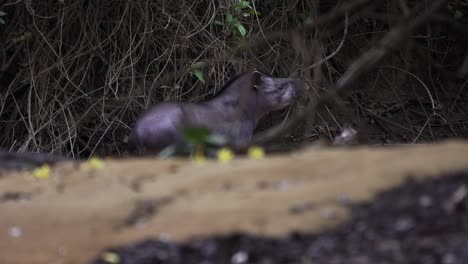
{"x": 95, "y": 163}
{"x": 256, "y": 152}
{"x": 42, "y": 172}
{"x": 110, "y": 257}
{"x": 199, "y": 156}
{"x": 225, "y": 155}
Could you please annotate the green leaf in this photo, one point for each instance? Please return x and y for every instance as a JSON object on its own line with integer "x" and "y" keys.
{"x": 458, "y": 14}
{"x": 216, "y": 139}
{"x": 2, "y": 21}
{"x": 199, "y": 75}
{"x": 242, "y": 5}
{"x": 195, "y": 135}
{"x": 242, "y": 30}
{"x": 254, "y": 12}
{"x": 2, "y": 13}
{"x": 217, "y": 22}
{"x": 167, "y": 152}
{"x": 61, "y": 1}
{"x": 198, "y": 65}
{"x": 229, "y": 18}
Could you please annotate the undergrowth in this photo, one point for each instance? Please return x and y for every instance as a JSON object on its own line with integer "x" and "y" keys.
{"x": 75, "y": 75}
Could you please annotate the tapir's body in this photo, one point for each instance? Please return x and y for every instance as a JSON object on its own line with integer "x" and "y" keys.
{"x": 233, "y": 113}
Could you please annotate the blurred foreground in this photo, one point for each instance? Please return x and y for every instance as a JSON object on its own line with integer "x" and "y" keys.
{"x": 80, "y": 210}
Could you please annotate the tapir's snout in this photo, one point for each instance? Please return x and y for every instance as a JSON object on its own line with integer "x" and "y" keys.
{"x": 290, "y": 90}
{"x": 293, "y": 89}
{"x": 298, "y": 86}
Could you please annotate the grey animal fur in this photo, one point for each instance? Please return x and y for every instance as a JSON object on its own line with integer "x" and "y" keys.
{"x": 233, "y": 112}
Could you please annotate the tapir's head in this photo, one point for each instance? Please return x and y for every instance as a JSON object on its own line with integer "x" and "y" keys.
{"x": 275, "y": 93}
{"x": 268, "y": 92}
{"x": 259, "y": 93}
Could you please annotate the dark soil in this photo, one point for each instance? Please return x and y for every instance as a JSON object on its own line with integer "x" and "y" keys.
{"x": 418, "y": 222}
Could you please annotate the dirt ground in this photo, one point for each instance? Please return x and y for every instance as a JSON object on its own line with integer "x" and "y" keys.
{"x": 80, "y": 211}
{"x": 422, "y": 221}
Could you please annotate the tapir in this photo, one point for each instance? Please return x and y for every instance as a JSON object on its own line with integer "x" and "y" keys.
{"x": 232, "y": 113}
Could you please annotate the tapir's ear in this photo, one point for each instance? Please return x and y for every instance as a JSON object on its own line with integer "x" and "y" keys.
{"x": 256, "y": 78}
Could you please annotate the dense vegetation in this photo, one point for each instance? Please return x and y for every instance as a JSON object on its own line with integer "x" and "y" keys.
{"x": 74, "y": 75}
